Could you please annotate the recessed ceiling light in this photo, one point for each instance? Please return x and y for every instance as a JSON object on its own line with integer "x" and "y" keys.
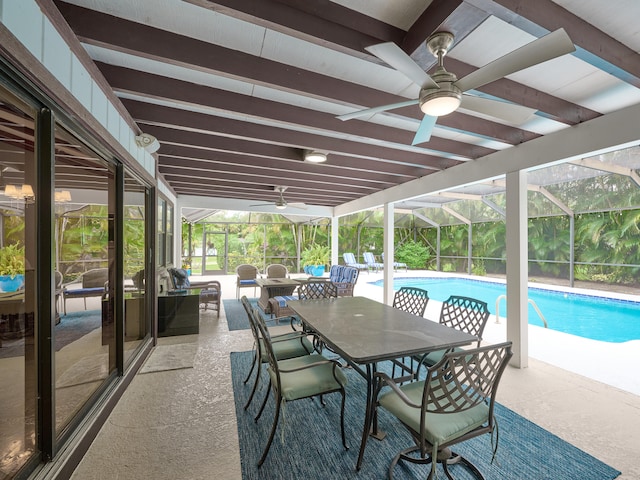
{"x": 313, "y": 156}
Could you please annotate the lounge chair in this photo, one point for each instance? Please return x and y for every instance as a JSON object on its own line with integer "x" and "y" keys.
{"x": 371, "y": 262}
{"x": 350, "y": 261}
{"x": 397, "y": 265}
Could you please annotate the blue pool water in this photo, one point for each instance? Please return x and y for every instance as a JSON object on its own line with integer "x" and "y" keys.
{"x": 587, "y": 316}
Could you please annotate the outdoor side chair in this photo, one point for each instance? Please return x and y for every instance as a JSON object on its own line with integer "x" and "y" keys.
{"x": 297, "y": 378}
{"x": 286, "y": 345}
{"x": 247, "y": 276}
{"x": 277, "y": 270}
{"x": 411, "y": 300}
{"x": 317, "y": 289}
{"x": 462, "y": 313}
{"x": 210, "y": 290}
{"x": 453, "y": 404}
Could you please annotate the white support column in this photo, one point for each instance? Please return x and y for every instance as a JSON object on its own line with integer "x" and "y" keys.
{"x": 388, "y": 249}
{"x": 517, "y": 267}
{"x": 335, "y": 225}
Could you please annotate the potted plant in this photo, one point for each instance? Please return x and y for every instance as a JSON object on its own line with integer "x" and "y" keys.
{"x": 11, "y": 268}
{"x": 316, "y": 257}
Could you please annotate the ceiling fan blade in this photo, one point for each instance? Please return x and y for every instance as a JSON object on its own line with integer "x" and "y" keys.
{"x": 372, "y": 111}
{"x": 300, "y": 205}
{"x": 424, "y": 130}
{"x": 509, "y": 112}
{"x": 393, "y": 55}
{"x": 550, "y": 46}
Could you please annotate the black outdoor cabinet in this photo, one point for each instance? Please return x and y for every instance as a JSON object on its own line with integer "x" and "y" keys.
{"x": 178, "y": 314}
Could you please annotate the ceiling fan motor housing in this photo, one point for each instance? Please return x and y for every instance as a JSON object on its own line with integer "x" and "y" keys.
{"x": 448, "y": 89}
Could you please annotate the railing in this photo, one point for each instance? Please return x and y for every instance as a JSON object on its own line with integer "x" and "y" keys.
{"x": 533, "y": 304}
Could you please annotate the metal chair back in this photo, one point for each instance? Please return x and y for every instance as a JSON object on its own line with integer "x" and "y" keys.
{"x": 317, "y": 289}
{"x": 466, "y": 314}
{"x": 411, "y": 299}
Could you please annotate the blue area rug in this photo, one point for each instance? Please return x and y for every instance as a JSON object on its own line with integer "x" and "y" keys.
{"x": 237, "y": 317}
{"x": 72, "y": 327}
{"x": 307, "y": 443}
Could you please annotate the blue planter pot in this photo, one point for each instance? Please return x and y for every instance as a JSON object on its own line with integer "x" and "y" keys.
{"x": 11, "y": 284}
{"x": 317, "y": 270}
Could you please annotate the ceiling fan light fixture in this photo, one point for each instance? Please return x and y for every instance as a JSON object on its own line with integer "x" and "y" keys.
{"x": 440, "y": 102}
{"x": 281, "y": 206}
{"x": 313, "y": 156}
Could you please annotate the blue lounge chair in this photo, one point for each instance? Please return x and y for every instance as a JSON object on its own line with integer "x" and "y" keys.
{"x": 350, "y": 261}
{"x": 370, "y": 260}
{"x": 397, "y": 265}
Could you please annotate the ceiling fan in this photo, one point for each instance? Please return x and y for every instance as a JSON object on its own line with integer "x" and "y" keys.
{"x": 442, "y": 93}
{"x": 281, "y": 203}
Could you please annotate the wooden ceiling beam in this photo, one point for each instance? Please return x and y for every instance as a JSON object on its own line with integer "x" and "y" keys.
{"x": 169, "y": 153}
{"x": 252, "y": 148}
{"x": 156, "y": 86}
{"x": 102, "y": 29}
{"x": 146, "y": 113}
{"x": 594, "y": 46}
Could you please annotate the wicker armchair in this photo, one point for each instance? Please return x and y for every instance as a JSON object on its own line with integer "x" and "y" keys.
{"x": 247, "y": 275}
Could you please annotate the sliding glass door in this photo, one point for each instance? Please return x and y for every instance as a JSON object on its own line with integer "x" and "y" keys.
{"x": 18, "y": 272}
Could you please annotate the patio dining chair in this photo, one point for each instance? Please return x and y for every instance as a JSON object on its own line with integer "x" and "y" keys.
{"x": 297, "y": 378}
{"x": 462, "y": 313}
{"x": 453, "y": 404}
{"x": 247, "y": 276}
{"x": 317, "y": 289}
{"x": 277, "y": 270}
{"x": 411, "y": 300}
{"x": 286, "y": 345}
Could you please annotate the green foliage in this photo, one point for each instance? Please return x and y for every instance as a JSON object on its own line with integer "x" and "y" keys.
{"x": 478, "y": 268}
{"x": 414, "y": 254}
{"x": 12, "y": 260}
{"x": 316, "y": 254}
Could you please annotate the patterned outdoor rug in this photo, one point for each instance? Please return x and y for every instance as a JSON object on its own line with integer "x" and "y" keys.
{"x": 237, "y": 317}
{"x": 307, "y": 443}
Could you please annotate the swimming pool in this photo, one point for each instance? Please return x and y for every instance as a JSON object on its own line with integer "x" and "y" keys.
{"x": 597, "y": 318}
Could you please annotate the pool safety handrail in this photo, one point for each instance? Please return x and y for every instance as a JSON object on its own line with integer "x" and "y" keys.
{"x": 533, "y": 304}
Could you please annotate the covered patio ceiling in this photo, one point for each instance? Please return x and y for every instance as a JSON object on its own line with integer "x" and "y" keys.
{"x": 236, "y": 90}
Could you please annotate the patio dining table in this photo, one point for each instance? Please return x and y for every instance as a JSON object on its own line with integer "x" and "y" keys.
{"x": 365, "y": 332}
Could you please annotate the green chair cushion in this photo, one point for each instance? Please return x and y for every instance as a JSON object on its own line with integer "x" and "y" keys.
{"x": 439, "y": 427}
{"x": 308, "y": 381}
{"x": 434, "y": 357}
{"x": 284, "y": 348}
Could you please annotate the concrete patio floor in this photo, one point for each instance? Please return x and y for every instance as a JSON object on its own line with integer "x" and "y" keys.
{"x": 182, "y": 424}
